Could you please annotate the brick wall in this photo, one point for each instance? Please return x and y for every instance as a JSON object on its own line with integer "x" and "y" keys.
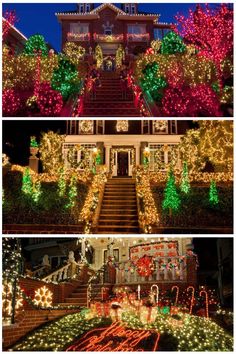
{"x": 60, "y": 291}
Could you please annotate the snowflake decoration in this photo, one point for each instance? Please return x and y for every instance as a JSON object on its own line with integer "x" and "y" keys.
{"x": 7, "y": 293}
{"x": 43, "y": 297}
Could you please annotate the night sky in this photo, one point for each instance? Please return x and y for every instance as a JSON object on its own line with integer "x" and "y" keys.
{"x": 16, "y": 136}
{"x": 40, "y": 18}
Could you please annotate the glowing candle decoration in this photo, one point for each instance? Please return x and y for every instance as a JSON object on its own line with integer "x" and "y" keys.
{"x": 139, "y": 289}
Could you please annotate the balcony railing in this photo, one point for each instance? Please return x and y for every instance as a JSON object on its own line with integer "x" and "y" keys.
{"x": 108, "y": 38}
{"x": 166, "y": 269}
{"x": 141, "y": 37}
{"x": 78, "y": 37}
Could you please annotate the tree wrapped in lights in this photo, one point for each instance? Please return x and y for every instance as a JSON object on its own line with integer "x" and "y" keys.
{"x": 72, "y": 193}
{"x": 50, "y": 102}
{"x": 65, "y": 78}
{"x": 61, "y": 186}
{"x": 213, "y": 194}
{"x": 74, "y": 52}
{"x": 185, "y": 184}
{"x": 36, "y": 44}
{"x": 51, "y": 151}
{"x": 210, "y": 31}
{"x": 11, "y": 267}
{"x": 36, "y": 191}
{"x": 120, "y": 56}
{"x": 171, "y": 200}
{"x": 216, "y": 143}
{"x": 172, "y": 43}
{"x": 27, "y": 184}
{"x": 98, "y": 55}
{"x": 9, "y": 18}
{"x": 10, "y": 102}
{"x": 151, "y": 82}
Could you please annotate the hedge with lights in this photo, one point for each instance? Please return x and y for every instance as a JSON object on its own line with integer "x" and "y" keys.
{"x": 50, "y": 102}
{"x": 172, "y": 43}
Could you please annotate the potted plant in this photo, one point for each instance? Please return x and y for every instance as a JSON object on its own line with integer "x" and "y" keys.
{"x": 34, "y": 147}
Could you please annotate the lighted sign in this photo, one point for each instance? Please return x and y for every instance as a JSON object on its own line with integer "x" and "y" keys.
{"x": 117, "y": 338}
{"x": 155, "y": 249}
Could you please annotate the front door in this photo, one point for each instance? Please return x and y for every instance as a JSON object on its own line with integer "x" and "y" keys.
{"x": 122, "y": 164}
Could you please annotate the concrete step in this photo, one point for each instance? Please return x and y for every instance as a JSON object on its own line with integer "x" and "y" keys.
{"x": 118, "y": 223}
{"x": 117, "y": 229}
{"x": 118, "y": 217}
{"x": 116, "y": 211}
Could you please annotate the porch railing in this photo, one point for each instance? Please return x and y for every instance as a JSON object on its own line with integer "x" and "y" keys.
{"x": 166, "y": 269}
{"x": 141, "y": 37}
{"x": 68, "y": 271}
{"x": 78, "y": 37}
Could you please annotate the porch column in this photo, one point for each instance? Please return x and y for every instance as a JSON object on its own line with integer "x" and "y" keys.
{"x": 142, "y": 148}
{"x": 100, "y": 146}
{"x": 107, "y": 156}
{"x": 137, "y": 154}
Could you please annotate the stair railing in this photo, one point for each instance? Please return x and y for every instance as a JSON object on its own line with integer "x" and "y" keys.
{"x": 38, "y": 272}
{"x": 69, "y": 271}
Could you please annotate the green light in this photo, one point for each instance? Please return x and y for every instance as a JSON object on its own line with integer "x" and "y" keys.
{"x": 213, "y": 194}
{"x": 171, "y": 200}
{"x": 65, "y": 78}
{"x": 172, "y": 43}
{"x": 185, "y": 185}
{"x": 72, "y": 194}
{"x": 34, "y": 44}
{"x": 27, "y": 184}
{"x": 151, "y": 82}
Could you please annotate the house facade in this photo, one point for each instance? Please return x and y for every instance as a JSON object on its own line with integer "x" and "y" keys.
{"x": 124, "y": 252}
{"x": 110, "y": 26}
{"x": 121, "y": 143}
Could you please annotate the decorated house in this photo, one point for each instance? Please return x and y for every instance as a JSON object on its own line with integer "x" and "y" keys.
{"x": 127, "y": 283}
{"x": 122, "y": 144}
{"x": 110, "y": 26}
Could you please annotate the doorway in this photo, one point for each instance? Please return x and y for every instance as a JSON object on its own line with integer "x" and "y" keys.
{"x": 122, "y": 164}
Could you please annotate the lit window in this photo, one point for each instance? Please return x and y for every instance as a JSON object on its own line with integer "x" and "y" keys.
{"x": 78, "y": 28}
{"x": 136, "y": 29}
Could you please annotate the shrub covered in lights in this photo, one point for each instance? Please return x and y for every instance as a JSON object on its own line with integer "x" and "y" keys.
{"x": 65, "y": 78}
{"x": 10, "y": 102}
{"x": 50, "y": 101}
{"x": 41, "y": 204}
{"x": 151, "y": 82}
{"x": 172, "y": 43}
{"x": 36, "y": 45}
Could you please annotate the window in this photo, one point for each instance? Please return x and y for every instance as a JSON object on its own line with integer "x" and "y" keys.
{"x": 173, "y": 127}
{"x": 86, "y": 126}
{"x": 87, "y": 7}
{"x": 133, "y": 9}
{"x": 145, "y": 127}
{"x": 81, "y": 8}
{"x": 100, "y": 127}
{"x": 127, "y": 8}
{"x": 79, "y": 28}
{"x": 161, "y": 155}
{"x": 160, "y": 126}
{"x": 136, "y": 29}
{"x": 108, "y": 31}
{"x": 79, "y": 155}
{"x": 115, "y": 255}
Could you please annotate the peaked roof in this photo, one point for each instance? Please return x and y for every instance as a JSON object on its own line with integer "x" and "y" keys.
{"x": 111, "y": 6}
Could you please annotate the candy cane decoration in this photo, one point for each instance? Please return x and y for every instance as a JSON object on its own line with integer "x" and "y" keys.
{"x": 177, "y": 293}
{"x": 192, "y": 298}
{"x": 157, "y": 292}
{"x": 206, "y": 301}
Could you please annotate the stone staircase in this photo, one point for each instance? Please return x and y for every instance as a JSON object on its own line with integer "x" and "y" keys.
{"x": 109, "y": 101}
{"x": 119, "y": 208}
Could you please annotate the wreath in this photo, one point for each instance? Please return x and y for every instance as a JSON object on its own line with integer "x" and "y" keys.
{"x": 71, "y": 156}
{"x": 145, "y": 266}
